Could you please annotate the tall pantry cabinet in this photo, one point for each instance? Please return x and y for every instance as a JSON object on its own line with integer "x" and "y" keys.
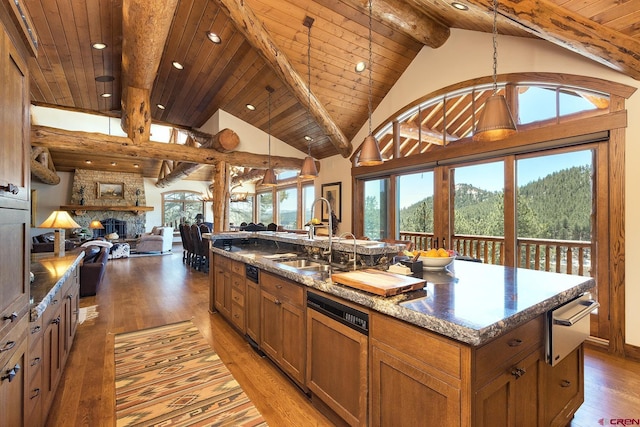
{"x": 15, "y": 46}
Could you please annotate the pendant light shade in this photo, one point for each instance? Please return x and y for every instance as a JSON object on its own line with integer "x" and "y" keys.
{"x": 309, "y": 170}
{"x": 370, "y": 150}
{"x": 495, "y": 121}
{"x": 269, "y": 176}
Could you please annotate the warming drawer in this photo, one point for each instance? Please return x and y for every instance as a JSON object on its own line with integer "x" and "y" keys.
{"x": 568, "y": 326}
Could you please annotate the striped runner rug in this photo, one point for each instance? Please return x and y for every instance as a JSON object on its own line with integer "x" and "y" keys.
{"x": 169, "y": 376}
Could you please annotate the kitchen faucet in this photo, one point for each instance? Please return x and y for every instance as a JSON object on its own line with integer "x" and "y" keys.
{"x": 355, "y": 256}
{"x": 311, "y": 227}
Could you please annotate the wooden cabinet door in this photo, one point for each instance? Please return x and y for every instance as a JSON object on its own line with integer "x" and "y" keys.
{"x": 293, "y": 355}
{"x": 12, "y": 387}
{"x": 512, "y": 398}
{"x": 223, "y": 291}
{"x": 14, "y": 127}
{"x": 252, "y": 310}
{"x": 564, "y": 388}
{"x": 404, "y": 393}
{"x": 14, "y": 255}
{"x": 52, "y": 366}
{"x": 271, "y": 325}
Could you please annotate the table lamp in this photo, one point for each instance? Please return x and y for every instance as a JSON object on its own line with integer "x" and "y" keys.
{"x": 60, "y": 220}
{"x": 96, "y": 225}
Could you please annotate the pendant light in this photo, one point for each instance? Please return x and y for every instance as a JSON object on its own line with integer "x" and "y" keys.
{"x": 495, "y": 120}
{"x": 309, "y": 170}
{"x": 269, "y": 177}
{"x": 370, "y": 151}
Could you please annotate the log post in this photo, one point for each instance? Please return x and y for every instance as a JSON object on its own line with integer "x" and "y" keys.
{"x": 220, "y": 196}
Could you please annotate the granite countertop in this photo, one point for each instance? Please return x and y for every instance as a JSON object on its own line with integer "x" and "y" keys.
{"x": 50, "y": 273}
{"x": 363, "y": 247}
{"x": 469, "y": 302}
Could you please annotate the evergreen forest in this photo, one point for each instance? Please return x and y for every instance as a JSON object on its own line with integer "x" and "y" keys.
{"x": 557, "y": 206}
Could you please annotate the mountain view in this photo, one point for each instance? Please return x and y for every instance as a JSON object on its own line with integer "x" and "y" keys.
{"x": 557, "y": 206}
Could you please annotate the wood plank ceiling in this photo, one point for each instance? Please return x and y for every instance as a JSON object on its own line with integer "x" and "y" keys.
{"x": 69, "y": 73}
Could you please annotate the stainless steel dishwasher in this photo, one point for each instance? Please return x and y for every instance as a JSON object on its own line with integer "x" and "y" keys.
{"x": 337, "y": 358}
{"x": 568, "y": 326}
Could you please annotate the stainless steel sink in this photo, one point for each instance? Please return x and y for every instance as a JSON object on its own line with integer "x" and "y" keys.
{"x": 319, "y": 267}
{"x": 301, "y": 263}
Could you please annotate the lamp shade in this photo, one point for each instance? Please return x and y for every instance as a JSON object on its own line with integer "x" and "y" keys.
{"x": 96, "y": 225}
{"x": 309, "y": 170}
{"x": 59, "y": 219}
{"x": 495, "y": 120}
{"x": 269, "y": 178}
{"x": 370, "y": 152}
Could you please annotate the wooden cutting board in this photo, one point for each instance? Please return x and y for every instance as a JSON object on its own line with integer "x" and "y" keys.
{"x": 378, "y": 282}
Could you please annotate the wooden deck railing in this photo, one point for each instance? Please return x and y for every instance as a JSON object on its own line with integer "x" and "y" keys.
{"x": 561, "y": 256}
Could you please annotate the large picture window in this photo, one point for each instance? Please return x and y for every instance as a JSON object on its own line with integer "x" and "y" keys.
{"x": 181, "y": 207}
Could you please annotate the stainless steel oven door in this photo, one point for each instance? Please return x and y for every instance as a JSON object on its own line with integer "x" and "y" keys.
{"x": 568, "y": 326}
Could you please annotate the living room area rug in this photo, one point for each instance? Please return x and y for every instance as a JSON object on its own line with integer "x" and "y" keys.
{"x": 169, "y": 376}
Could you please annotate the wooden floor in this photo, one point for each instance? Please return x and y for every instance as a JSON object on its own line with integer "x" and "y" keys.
{"x": 151, "y": 291}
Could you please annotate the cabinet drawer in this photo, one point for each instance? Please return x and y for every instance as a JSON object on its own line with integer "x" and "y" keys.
{"x": 237, "y": 282}
{"x": 282, "y": 289}
{"x": 237, "y": 316}
{"x": 34, "y": 400}
{"x": 237, "y": 297}
{"x": 52, "y": 311}
{"x": 222, "y": 262}
{"x": 237, "y": 268}
{"x": 492, "y": 357}
{"x": 10, "y": 341}
{"x": 35, "y": 330}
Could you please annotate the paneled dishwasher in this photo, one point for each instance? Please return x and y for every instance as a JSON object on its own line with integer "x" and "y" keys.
{"x": 337, "y": 354}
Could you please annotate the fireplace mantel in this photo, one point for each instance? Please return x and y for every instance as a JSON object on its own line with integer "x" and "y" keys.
{"x": 82, "y": 209}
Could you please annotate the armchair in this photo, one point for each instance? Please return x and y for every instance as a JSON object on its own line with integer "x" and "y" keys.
{"x": 160, "y": 239}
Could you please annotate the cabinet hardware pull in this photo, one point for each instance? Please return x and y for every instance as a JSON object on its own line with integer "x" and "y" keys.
{"x": 11, "y": 373}
{"x": 55, "y": 301}
{"x": 13, "y": 316}
{"x": 279, "y": 286}
{"x": 515, "y": 342}
{"x": 36, "y": 393}
{"x": 56, "y": 321}
{"x": 518, "y": 372}
{"x": 565, "y": 383}
{"x": 8, "y": 346}
{"x": 10, "y": 188}
{"x": 277, "y": 302}
{"x": 36, "y": 329}
{"x": 35, "y": 361}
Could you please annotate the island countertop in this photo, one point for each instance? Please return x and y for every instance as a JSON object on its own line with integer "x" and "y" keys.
{"x": 50, "y": 273}
{"x": 470, "y": 302}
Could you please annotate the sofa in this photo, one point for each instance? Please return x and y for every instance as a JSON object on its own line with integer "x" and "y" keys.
{"x": 44, "y": 243}
{"x": 160, "y": 239}
{"x": 92, "y": 269}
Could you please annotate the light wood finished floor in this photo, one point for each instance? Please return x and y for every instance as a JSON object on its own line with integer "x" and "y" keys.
{"x": 151, "y": 291}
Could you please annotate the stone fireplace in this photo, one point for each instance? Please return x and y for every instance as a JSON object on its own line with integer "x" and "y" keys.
{"x": 86, "y": 192}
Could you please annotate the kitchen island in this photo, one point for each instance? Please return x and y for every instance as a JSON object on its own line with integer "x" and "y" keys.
{"x": 467, "y": 349}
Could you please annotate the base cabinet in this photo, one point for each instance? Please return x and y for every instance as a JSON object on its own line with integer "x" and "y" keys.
{"x": 564, "y": 387}
{"x": 12, "y": 385}
{"x": 282, "y": 330}
{"x": 252, "y": 311}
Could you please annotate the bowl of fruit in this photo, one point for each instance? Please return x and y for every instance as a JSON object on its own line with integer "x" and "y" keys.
{"x": 436, "y": 259}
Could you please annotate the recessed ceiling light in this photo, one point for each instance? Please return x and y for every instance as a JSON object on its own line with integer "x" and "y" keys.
{"x": 308, "y": 138}
{"x": 113, "y": 163}
{"x": 106, "y": 95}
{"x": 88, "y": 161}
{"x": 177, "y": 65}
{"x": 459, "y": 6}
{"x": 214, "y": 37}
{"x": 99, "y": 46}
{"x": 361, "y": 66}
{"x": 251, "y": 107}
{"x": 160, "y": 106}
{"x": 105, "y": 79}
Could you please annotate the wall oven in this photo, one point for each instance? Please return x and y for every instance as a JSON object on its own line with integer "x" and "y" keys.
{"x": 567, "y": 326}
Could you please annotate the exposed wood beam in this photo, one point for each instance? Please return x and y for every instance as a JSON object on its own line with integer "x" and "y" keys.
{"x": 248, "y": 24}
{"x": 91, "y": 143}
{"x": 42, "y": 167}
{"x": 145, "y": 26}
{"x": 408, "y": 20}
{"x": 413, "y": 131}
{"x": 572, "y": 31}
{"x": 224, "y": 139}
